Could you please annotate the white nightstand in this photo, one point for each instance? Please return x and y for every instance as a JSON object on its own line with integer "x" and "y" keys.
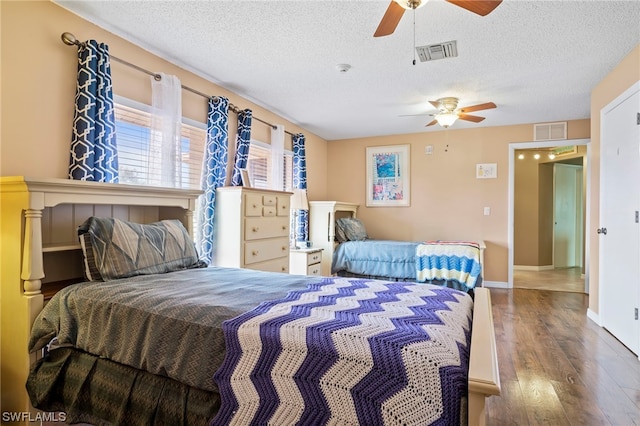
{"x": 305, "y": 261}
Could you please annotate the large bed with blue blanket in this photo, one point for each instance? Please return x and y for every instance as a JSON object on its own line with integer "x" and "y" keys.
{"x": 233, "y": 346}
{"x": 155, "y": 338}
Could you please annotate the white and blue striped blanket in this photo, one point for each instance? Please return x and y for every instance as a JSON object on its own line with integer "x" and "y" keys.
{"x": 351, "y": 352}
{"x": 448, "y": 260}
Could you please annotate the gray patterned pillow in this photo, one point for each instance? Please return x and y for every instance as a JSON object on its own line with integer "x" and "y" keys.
{"x": 352, "y": 228}
{"x": 114, "y": 248}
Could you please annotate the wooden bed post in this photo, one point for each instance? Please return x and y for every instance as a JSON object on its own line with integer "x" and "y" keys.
{"x": 32, "y": 262}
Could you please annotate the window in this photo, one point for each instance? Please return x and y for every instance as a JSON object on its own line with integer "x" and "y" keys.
{"x": 133, "y": 128}
{"x": 261, "y": 170}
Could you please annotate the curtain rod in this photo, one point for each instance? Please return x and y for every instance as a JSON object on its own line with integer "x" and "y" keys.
{"x": 71, "y": 40}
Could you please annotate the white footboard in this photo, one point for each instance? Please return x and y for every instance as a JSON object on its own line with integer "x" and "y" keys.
{"x": 484, "y": 377}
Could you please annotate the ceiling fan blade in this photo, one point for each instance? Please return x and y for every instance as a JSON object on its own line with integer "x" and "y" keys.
{"x": 390, "y": 20}
{"x": 478, "y": 107}
{"x": 474, "y": 118}
{"x": 480, "y": 7}
{"x": 432, "y": 123}
{"x": 436, "y": 104}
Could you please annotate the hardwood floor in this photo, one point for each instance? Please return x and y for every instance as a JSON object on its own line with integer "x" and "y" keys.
{"x": 565, "y": 279}
{"x": 557, "y": 367}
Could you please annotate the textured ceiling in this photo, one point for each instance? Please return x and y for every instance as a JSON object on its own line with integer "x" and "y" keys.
{"x": 537, "y": 60}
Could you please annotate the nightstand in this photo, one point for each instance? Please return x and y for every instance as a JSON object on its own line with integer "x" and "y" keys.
{"x": 305, "y": 261}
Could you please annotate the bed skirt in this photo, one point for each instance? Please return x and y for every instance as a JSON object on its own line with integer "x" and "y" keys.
{"x": 77, "y": 383}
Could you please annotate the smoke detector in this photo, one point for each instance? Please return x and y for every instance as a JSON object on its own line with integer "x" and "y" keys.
{"x": 342, "y": 68}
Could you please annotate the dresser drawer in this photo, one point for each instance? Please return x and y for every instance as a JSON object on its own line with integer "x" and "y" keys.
{"x": 283, "y": 206}
{"x": 265, "y": 227}
{"x": 314, "y": 257}
{"x": 270, "y": 200}
{"x": 315, "y": 269}
{"x": 275, "y": 265}
{"x": 253, "y": 205}
{"x": 259, "y": 251}
{"x": 269, "y": 211}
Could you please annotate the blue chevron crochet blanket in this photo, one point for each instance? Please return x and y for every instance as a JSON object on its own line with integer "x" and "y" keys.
{"x": 449, "y": 260}
{"x": 348, "y": 351}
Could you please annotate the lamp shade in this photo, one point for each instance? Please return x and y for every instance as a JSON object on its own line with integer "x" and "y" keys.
{"x": 299, "y": 200}
{"x": 446, "y": 119}
{"x": 410, "y": 4}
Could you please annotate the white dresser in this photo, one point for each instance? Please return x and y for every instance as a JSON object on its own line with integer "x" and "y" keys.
{"x": 306, "y": 261}
{"x": 252, "y": 228}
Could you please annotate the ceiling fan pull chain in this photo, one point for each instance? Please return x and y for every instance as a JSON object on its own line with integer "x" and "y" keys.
{"x": 414, "y": 36}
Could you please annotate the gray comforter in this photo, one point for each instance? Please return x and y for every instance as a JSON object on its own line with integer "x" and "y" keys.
{"x": 167, "y": 324}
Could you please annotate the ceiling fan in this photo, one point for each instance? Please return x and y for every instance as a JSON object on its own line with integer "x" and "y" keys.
{"x": 396, "y": 9}
{"x": 448, "y": 112}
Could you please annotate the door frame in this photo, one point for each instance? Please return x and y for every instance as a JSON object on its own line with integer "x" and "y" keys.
{"x": 510, "y": 216}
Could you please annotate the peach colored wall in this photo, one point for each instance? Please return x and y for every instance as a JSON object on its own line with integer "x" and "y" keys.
{"x": 38, "y": 88}
{"x": 623, "y": 76}
{"x": 447, "y": 200}
{"x": 526, "y": 212}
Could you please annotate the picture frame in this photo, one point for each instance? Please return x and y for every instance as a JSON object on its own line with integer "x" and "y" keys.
{"x": 388, "y": 176}
{"x": 246, "y": 180}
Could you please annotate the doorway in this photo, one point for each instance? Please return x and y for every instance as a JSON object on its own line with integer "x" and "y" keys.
{"x": 532, "y": 215}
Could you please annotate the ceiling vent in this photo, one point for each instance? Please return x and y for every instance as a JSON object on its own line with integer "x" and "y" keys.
{"x": 437, "y": 51}
{"x": 550, "y": 131}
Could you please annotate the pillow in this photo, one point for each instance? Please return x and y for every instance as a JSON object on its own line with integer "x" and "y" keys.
{"x": 114, "y": 248}
{"x": 353, "y": 229}
{"x": 341, "y": 237}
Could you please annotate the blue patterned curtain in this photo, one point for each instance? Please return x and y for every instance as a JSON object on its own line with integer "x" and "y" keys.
{"x": 94, "y": 154}
{"x": 242, "y": 146}
{"x": 214, "y": 173}
{"x": 300, "y": 182}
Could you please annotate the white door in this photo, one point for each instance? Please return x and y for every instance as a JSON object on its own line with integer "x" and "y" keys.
{"x": 619, "y": 228}
{"x": 567, "y": 214}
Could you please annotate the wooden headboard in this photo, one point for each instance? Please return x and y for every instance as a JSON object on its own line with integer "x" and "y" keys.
{"x": 322, "y": 227}
{"x": 38, "y": 222}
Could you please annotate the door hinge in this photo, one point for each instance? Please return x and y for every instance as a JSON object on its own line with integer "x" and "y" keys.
{"x": 638, "y": 119}
{"x": 637, "y": 217}
{"x": 636, "y": 315}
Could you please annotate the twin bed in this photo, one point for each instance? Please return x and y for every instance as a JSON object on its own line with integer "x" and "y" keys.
{"x": 349, "y": 252}
{"x": 179, "y": 346}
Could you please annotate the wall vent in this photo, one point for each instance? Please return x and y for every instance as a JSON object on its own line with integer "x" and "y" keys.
{"x": 550, "y": 131}
{"x": 432, "y": 52}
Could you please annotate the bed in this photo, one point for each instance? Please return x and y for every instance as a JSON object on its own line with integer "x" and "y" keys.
{"x": 350, "y": 252}
{"x": 100, "y": 360}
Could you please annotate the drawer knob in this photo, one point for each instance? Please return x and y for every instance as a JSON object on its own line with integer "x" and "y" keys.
{"x": 284, "y": 269}
{"x": 254, "y": 253}
{"x": 284, "y": 227}
{"x": 315, "y": 257}
{"x": 314, "y": 272}
{"x": 284, "y": 248}
{"x": 255, "y": 229}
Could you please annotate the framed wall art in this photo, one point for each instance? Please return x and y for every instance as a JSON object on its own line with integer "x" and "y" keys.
{"x": 387, "y": 180}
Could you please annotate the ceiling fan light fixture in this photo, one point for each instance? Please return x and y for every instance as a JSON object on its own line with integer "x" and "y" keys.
{"x": 410, "y": 4}
{"x": 446, "y": 119}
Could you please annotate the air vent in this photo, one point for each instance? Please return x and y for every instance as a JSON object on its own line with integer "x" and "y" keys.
{"x": 550, "y": 131}
{"x": 437, "y": 51}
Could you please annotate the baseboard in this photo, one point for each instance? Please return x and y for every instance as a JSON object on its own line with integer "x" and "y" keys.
{"x": 593, "y": 317}
{"x": 495, "y": 284}
{"x": 532, "y": 268}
